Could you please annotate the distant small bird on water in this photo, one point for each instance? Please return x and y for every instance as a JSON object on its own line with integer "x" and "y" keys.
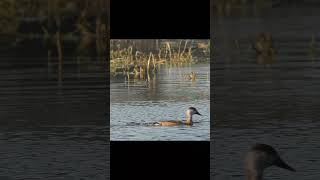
{"x": 264, "y": 44}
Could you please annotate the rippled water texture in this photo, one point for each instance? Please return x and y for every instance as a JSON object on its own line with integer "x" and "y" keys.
{"x": 258, "y": 100}
{"x": 52, "y": 127}
{"x": 134, "y": 105}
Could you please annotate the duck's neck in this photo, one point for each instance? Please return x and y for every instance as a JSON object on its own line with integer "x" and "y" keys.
{"x": 189, "y": 118}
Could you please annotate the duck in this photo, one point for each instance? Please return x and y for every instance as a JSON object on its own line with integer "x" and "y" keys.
{"x": 260, "y": 157}
{"x": 190, "y": 111}
{"x": 264, "y": 44}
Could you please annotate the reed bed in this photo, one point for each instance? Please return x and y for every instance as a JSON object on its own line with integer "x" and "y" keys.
{"x": 140, "y": 64}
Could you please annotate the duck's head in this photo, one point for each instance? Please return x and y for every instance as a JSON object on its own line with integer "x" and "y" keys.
{"x": 262, "y": 156}
{"x": 191, "y": 111}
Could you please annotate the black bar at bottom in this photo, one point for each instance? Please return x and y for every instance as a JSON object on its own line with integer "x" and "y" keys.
{"x": 160, "y": 160}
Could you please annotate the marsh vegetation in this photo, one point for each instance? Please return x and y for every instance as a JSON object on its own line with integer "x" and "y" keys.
{"x": 60, "y": 26}
{"x": 57, "y": 32}
{"x": 141, "y": 59}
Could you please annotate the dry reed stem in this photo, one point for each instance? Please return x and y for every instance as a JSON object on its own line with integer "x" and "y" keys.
{"x": 179, "y": 50}
{"x": 169, "y": 49}
{"x": 185, "y": 46}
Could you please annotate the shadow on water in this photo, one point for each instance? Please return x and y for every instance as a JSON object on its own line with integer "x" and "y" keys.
{"x": 267, "y": 99}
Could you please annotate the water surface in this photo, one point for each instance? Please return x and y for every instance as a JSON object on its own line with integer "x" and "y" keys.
{"x": 135, "y": 105}
{"x": 52, "y": 126}
{"x": 258, "y": 100}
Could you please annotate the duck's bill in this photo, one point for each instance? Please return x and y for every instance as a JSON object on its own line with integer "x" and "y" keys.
{"x": 280, "y": 163}
{"x": 198, "y": 113}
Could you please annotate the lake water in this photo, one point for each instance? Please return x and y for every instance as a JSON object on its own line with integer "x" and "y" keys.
{"x": 51, "y": 128}
{"x": 261, "y": 101}
{"x": 134, "y": 105}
